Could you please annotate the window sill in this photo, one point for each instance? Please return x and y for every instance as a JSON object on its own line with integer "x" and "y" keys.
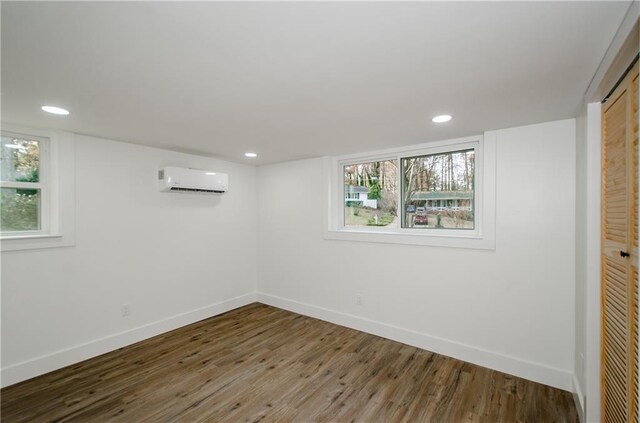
{"x": 30, "y": 236}
{"x": 470, "y": 241}
{"x": 35, "y": 241}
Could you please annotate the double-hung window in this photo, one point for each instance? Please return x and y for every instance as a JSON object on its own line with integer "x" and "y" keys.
{"x": 24, "y": 190}
{"x": 37, "y": 188}
{"x": 440, "y": 193}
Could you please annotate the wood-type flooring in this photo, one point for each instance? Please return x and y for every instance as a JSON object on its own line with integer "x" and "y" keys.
{"x": 263, "y": 364}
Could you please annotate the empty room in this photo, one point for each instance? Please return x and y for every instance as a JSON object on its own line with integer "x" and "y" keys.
{"x": 319, "y": 211}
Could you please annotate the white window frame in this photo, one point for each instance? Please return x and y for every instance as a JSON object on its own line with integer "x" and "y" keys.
{"x": 57, "y": 179}
{"x": 481, "y": 237}
{"x": 44, "y": 214}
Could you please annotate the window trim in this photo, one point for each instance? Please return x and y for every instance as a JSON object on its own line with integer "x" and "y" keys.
{"x": 59, "y": 172}
{"x": 481, "y": 237}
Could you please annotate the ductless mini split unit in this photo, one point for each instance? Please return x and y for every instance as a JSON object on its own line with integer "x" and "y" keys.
{"x": 180, "y": 179}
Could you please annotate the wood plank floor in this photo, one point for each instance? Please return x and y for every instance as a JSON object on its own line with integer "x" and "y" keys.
{"x": 260, "y": 363}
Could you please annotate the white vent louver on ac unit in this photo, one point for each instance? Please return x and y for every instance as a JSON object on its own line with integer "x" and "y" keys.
{"x": 180, "y": 179}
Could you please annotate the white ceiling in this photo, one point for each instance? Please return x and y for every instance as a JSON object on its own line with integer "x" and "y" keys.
{"x": 295, "y": 80}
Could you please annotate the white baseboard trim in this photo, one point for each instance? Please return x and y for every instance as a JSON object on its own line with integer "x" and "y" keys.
{"x": 522, "y": 368}
{"x": 536, "y": 372}
{"x": 37, "y": 366}
{"x": 578, "y": 398}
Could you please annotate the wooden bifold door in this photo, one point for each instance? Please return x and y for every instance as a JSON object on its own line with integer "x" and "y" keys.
{"x": 619, "y": 359}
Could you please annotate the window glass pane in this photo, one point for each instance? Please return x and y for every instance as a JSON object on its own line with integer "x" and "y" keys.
{"x": 370, "y": 194}
{"x": 19, "y": 209}
{"x": 19, "y": 159}
{"x": 438, "y": 190}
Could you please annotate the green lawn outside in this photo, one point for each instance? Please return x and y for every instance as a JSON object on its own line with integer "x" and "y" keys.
{"x": 362, "y": 216}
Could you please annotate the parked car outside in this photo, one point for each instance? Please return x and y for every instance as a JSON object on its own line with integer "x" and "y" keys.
{"x": 421, "y": 219}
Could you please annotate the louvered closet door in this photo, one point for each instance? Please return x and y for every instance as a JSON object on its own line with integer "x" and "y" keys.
{"x": 620, "y": 253}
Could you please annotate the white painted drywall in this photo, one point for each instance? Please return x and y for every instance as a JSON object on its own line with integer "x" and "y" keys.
{"x": 173, "y": 258}
{"x": 581, "y": 258}
{"x": 510, "y": 309}
{"x": 588, "y": 205}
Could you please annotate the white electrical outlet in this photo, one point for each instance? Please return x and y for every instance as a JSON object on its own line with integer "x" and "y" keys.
{"x": 359, "y": 299}
{"x": 126, "y": 310}
{"x": 581, "y": 363}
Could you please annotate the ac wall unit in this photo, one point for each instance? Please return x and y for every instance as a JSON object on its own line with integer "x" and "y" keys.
{"x": 180, "y": 179}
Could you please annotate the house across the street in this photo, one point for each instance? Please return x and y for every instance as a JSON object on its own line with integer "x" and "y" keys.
{"x": 358, "y": 195}
{"x": 443, "y": 200}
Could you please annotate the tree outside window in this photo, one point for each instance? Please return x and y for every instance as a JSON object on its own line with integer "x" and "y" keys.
{"x": 370, "y": 194}
{"x": 438, "y": 190}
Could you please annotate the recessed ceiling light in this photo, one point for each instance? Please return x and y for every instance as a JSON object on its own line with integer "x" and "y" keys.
{"x": 210, "y": 173}
{"x": 441, "y": 119}
{"x": 251, "y": 154}
{"x": 55, "y": 110}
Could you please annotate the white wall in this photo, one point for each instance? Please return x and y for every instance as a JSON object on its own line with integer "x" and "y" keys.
{"x": 511, "y": 309}
{"x": 587, "y": 352}
{"x": 174, "y": 258}
{"x": 581, "y": 256}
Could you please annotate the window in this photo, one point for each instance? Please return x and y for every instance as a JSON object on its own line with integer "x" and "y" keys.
{"x": 437, "y": 190}
{"x": 370, "y": 194}
{"x": 23, "y": 189}
{"x": 37, "y": 188}
{"x": 440, "y": 193}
